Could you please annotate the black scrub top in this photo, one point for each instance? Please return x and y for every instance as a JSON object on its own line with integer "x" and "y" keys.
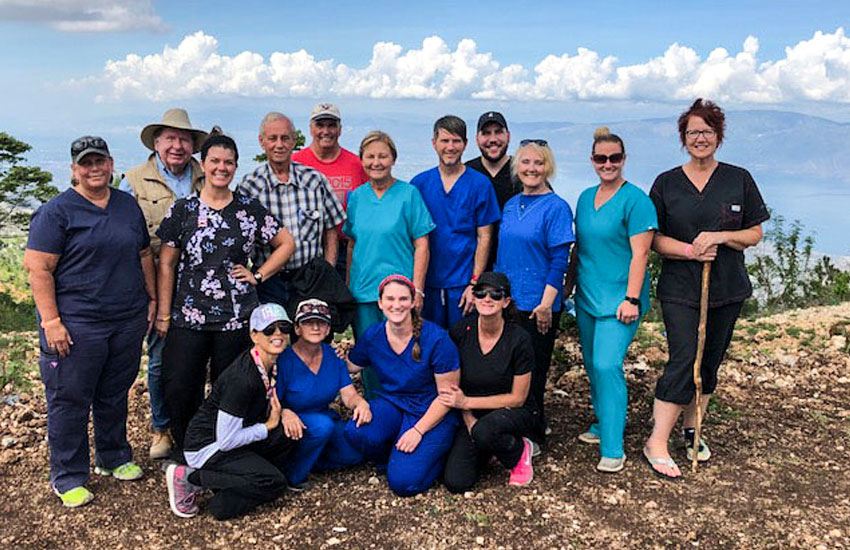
{"x": 730, "y": 201}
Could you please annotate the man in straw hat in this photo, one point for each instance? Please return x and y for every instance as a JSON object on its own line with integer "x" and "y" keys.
{"x": 170, "y": 173}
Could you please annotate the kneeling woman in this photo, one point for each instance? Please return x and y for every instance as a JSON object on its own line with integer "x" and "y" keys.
{"x": 411, "y": 431}
{"x": 499, "y": 413}
{"x": 234, "y": 444}
{"x": 310, "y": 376}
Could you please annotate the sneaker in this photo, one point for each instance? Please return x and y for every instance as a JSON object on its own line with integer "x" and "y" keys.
{"x": 535, "y": 449}
{"x": 704, "y": 454}
{"x": 160, "y": 445}
{"x": 611, "y": 465}
{"x": 74, "y": 498}
{"x": 181, "y": 493}
{"x": 589, "y": 437}
{"x": 523, "y": 472}
{"x": 128, "y": 471}
{"x": 299, "y": 487}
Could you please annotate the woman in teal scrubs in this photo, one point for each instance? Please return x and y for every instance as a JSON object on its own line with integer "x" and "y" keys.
{"x": 615, "y": 223}
{"x": 388, "y": 224}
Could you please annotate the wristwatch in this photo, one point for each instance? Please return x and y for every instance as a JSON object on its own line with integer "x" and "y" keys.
{"x": 633, "y": 301}
{"x": 259, "y": 277}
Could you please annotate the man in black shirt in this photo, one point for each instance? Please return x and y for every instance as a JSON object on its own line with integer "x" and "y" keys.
{"x": 493, "y": 139}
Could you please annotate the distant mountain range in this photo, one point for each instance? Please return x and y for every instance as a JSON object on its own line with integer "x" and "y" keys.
{"x": 797, "y": 160}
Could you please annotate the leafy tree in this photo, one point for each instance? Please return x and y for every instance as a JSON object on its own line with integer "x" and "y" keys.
{"x": 20, "y": 186}
{"x": 300, "y": 140}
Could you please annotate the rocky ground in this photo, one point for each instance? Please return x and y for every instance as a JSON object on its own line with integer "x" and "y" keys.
{"x": 779, "y": 429}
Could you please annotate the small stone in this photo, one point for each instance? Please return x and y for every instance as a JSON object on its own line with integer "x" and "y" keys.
{"x": 468, "y": 494}
{"x": 835, "y": 533}
{"x": 333, "y": 541}
{"x": 373, "y": 480}
{"x": 340, "y": 529}
{"x": 479, "y": 540}
{"x": 651, "y": 505}
{"x": 8, "y": 441}
{"x": 252, "y": 540}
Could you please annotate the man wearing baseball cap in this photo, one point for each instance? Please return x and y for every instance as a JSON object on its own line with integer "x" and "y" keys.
{"x": 324, "y": 153}
{"x": 493, "y": 139}
{"x": 170, "y": 173}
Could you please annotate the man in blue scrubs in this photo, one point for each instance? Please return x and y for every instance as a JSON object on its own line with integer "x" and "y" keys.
{"x": 463, "y": 205}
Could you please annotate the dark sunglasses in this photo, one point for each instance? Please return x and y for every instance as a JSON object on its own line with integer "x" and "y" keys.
{"x": 315, "y": 308}
{"x": 283, "y": 326}
{"x": 616, "y": 158}
{"x": 495, "y": 294}
{"x": 84, "y": 143}
{"x": 540, "y": 142}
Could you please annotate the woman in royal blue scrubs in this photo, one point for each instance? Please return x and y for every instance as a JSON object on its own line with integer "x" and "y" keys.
{"x": 411, "y": 431}
{"x": 615, "y": 223}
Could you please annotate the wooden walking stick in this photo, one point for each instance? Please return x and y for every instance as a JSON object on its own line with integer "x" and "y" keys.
{"x": 703, "y": 316}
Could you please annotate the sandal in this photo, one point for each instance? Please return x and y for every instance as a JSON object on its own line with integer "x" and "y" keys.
{"x": 688, "y": 435}
{"x": 669, "y": 462}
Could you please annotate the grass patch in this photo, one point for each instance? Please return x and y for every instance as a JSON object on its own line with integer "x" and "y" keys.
{"x": 479, "y": 518}
{"x": 723, "y": 411}
{"x": 16, "y": 351}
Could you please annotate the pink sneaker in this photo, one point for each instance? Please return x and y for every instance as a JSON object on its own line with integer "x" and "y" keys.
{"x": 181, "y": 493}
{"x": 523, "y": 473}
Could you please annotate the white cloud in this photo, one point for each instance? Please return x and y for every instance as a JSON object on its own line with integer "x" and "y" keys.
{"x": 85, "y": 15}
{"x": 812, "y": 70}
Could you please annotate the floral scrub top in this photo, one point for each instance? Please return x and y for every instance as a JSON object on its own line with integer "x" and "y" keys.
{"x": 211, "y": 242}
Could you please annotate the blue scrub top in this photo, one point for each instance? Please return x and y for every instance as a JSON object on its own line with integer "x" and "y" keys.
{"x": 300, "y": 390}
{"x": 527, "y": 237}
{"x": 604, "y": 250}
{"x": 99, "y": 274}
{"x": 383, "y": 231}
{"x": 406, "y": 383}
{"x": 458, "y": 214}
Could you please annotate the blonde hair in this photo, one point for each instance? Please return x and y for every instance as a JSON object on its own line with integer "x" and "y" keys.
{"x": 604, "y": 135}
{"x": 544, "y": 151}
{"x": 378, "y": 136}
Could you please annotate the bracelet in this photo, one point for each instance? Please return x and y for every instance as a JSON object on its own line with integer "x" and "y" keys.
{"x": 56, "y": 319}
{"x": 417, "y": 431}
{"x": 166, "y": 318}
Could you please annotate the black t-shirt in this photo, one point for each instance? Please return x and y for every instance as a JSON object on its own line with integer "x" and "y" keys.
{"x": 239, "y": 392}
{"x": 492, "y": 374}
{"x": 506, "y": 186}
{"x": 730, "y": 201}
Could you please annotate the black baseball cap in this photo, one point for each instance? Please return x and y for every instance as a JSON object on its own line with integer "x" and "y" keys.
{"x": 499, "y": 281}
{"x": 85, "y": 145}
{"x": 492, "y": 116}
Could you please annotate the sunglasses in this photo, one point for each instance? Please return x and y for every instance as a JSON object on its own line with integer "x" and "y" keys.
{"x": 616, "y": 158}
{"x": 540, "y": 142}
{"x": 495, "y": 294}
{"x": 282, "y": 326}
{"x": 315, "y": 308}
{"x": 84, "y": 143}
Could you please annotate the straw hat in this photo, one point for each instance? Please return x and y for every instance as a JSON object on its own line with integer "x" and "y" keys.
{"x": 173, "y": 118}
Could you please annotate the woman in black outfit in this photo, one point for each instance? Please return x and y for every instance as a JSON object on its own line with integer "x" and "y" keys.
{"x": 499, "y": 412}
{"x": 708, "y": 211}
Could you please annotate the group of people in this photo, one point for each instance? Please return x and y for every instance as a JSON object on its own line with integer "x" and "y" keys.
{"x": 457, "y": 279}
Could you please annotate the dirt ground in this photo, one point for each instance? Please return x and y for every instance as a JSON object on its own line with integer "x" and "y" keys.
{"x": 779, "y": 429}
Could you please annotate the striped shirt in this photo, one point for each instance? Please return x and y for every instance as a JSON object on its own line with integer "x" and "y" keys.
{"x": 305, "y": 205}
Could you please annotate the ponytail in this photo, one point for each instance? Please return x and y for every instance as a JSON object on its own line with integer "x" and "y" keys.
{"x": 416, "y": 352}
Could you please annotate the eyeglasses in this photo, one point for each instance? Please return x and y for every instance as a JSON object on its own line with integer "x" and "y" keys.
{"x": 495, "y": 294}
{"x": 540, "y": 142}
{"x": 693, "y": 134}
{"x": 615, "y": 158}
{"x": 87, "y": 142}
{"x": 283, "y": 327}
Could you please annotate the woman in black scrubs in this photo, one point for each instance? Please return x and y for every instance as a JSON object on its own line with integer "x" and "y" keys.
{"x": 708, "y": 211}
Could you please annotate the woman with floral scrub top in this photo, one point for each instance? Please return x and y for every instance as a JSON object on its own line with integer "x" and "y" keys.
{"x": 206, "y": 292}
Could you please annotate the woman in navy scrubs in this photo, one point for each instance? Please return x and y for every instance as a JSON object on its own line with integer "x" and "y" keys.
{"x": 411, "y": 430}
{"x": 534, "y": 245}
{"x": 708, "y": 211}
{"x": 92, "y": 276}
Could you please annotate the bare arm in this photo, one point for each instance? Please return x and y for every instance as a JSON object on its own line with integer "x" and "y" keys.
{"x": 482, "y": 253}
{"x": 736, "y": 240}
{"x": 421, "y": 257}
{"x": 168, "y": 256}
{"x": 40, "y": 266}
{"x": 674, "y": 249}
{"x": 454, "y": 396}
{"x": 410, "y": 439}
{"x": 330, "y": 242}
{"x": 640, "y": 244}
{"x": 284, "y": 246}
{"x": 149, "y": 272}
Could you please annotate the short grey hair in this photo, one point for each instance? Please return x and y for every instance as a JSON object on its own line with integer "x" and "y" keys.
{"x": 273, "y": 116}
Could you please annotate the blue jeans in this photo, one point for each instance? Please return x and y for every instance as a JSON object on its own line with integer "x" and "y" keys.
{"x": 160, "y": 421}
{"x": 604, "y": 343}
{"x": 408, "y": 474}
{"x": 323, "y": 447}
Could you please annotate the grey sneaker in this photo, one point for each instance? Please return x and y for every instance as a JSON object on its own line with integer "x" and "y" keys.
{"x": 181, "y": 493}
{"x": 589, "y": 437}
{"x": 611, "y": 465}
{"x": 305, "y": 485}
{"x": 535, "y": 449}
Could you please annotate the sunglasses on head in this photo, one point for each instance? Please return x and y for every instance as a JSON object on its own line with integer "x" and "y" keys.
{"x": 540, "y": 142}
{"x": 495, "y": 293}
{"x": 315, "y": 308}
{"x": 82, "y": 144}
{"x": 615, "y": 158}
{"x": 282, "y": 326}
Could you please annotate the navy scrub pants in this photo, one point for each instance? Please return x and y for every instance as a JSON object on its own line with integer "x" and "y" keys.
{"x": 322, "y": 447}
{"x": 95, "y": 376}
{"x": 408, "y": 474}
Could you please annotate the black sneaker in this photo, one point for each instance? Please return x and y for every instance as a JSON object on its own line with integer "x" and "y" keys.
{"x": 688, "y": 435}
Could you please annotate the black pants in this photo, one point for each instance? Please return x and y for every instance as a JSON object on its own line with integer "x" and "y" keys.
{"x": 676, "y": 385}
{"x": 184, "y": 370}
{"x": 245, "y": 477}
{"x": 498, "y": 433}
{"x": 543, "y": 344}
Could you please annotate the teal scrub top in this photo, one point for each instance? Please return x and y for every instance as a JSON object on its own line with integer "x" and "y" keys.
{"x": 604, "y": 249}
{"x": 383, "y": 231}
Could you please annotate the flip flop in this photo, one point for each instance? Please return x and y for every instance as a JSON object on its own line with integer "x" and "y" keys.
{"x": 669, "y": 462}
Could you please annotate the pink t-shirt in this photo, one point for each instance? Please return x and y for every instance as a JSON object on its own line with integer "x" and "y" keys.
{"x": 345, "y": 173}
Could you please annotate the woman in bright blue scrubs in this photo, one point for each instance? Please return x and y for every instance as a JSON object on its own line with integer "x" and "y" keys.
{"x": 615, "y": 223}
{"x": 411, "y": 432}
{"x": 534, "y": 245}
{"x": 309, "y": 378}
{"x": 388, "y": 224}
